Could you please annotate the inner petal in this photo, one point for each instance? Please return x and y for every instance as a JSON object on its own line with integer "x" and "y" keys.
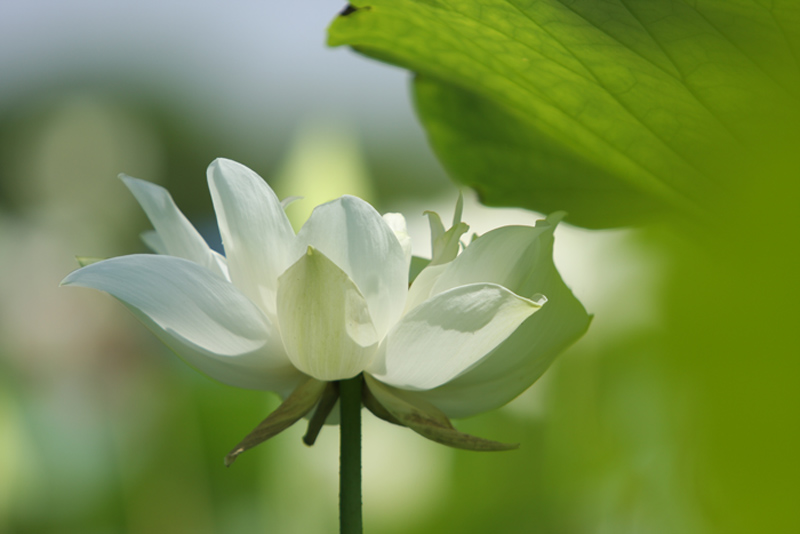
{"x": 358, "y": 240}
{"x": 324, "y": 319}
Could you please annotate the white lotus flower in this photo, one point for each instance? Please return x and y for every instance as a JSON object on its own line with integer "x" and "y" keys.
{"x": 292, "y": 313}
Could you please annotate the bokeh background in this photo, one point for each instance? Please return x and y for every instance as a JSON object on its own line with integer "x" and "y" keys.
{"x": 103, "y": 431}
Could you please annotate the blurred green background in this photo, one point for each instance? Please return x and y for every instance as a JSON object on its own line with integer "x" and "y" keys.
{"x": 644, "y": 426}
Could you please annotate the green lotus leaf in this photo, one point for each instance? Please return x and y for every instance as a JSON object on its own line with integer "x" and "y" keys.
{"x": 614, "y": 111}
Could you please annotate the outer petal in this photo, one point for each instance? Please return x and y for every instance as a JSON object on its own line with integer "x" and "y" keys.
{"x": 355, "y": 237}
{"x": 324, "y": 319}
{"x": 174, "y": 235}
{"x": 200, "y": 316}
{"x": 154, "y": 242}
{"x": 398, "y": 225}
{"x": 448, "y": 334}
{"x": 521, "y": 259}
{"x": 259, "y": 241}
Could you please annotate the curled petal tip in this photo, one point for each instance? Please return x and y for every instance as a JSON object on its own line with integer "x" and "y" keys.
{"x": 556, "y": 217}
{"x": 539, "y": 299}
{"x": 290, "y": 200}
{"x": 231, "y": 457}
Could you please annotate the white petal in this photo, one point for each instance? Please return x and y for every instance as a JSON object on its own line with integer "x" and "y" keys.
{"x": 324, "y": 319}
{"x": 355, "y": 237}
{"x": 175, "y": 234}
{"x": 259, "y": 241}
{"x": 398, "y": 225}
{"x": 521, "y": 259}
{"x": 154, "y": 242}
{"x": 420, "y": 290}
{"x": 200, "y": 316}
{"x": 448, "y": 334}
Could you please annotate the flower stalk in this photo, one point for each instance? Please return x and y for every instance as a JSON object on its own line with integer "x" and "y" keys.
{"x": 350, "y": 521}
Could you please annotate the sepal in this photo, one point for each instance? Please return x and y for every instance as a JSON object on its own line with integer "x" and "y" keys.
{"x": 372, "y": 404}
{"x": 423, "y": 418}
{"x": 326, "y": 403}
{"x": 296, "y": 405}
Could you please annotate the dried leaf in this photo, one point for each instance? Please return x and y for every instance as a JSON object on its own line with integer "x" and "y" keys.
{"x": 326, "y": 403}
{"x": 296, "y": 405}
{"x": 427, "y": 420}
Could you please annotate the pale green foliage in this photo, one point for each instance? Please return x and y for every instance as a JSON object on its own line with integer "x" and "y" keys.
{"x": 613, "y": 111}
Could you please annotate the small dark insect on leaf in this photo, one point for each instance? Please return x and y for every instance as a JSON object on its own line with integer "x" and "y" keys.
{"x": 347, "y": 10}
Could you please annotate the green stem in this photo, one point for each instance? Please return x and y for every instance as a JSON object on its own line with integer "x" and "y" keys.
{"x": 350, "y": 456}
